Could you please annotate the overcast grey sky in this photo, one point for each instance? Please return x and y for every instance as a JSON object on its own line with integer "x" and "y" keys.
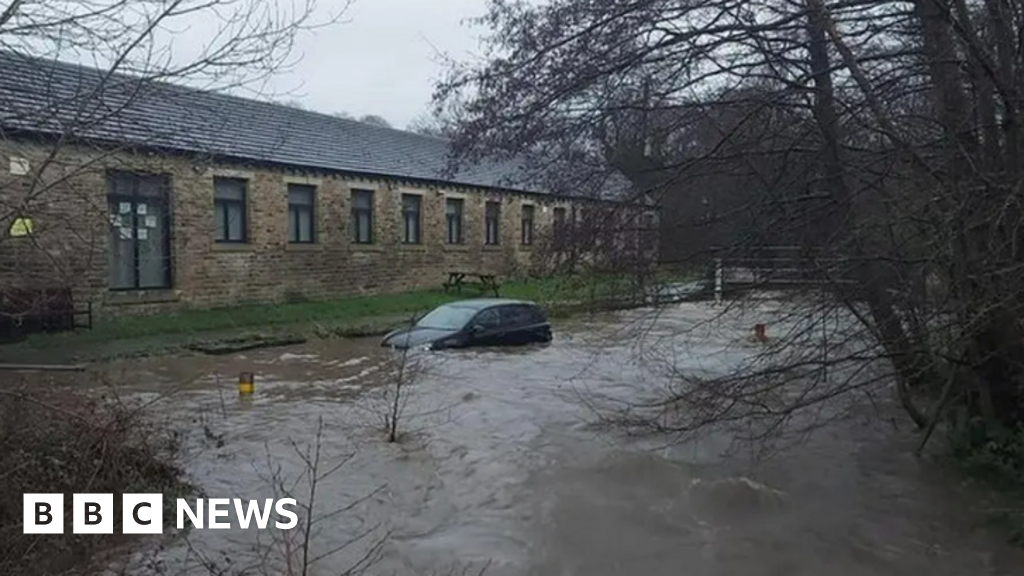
{"x": 383, "y": 59}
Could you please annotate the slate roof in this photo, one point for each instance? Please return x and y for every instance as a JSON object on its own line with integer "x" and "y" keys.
{"x": 50, "y": 97}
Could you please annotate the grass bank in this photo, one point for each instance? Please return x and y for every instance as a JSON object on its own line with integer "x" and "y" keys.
{"x": 290, "y": 322}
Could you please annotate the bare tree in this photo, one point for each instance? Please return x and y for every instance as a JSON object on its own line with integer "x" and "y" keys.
{"x": 295, "y": 551}
{"x": 374, "y": 120}
{"x": 882, "y": 134}
{"x": 395, "y": 407}
{"x": 390, "y": 404}
{"x": 396, "y": 395}
{"x": 430, "y": 125}
{"x": 297, "y": 104}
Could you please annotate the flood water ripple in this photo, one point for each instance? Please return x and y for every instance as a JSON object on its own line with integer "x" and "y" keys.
{"x": 501, "y": 464}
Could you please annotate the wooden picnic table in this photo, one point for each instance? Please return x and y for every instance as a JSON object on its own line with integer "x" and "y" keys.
{"x": 457, "y": 279}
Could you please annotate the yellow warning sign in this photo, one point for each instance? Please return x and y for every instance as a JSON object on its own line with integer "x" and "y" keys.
{"x": 21, "y": 227}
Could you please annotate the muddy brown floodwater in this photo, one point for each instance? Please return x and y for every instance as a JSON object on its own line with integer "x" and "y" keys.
{"x": 502, "y": 466}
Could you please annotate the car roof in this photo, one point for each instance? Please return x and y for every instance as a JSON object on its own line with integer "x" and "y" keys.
{"x": 482, "y": 303}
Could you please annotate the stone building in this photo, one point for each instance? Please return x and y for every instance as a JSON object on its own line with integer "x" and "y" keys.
{"x": 142, "y": 197}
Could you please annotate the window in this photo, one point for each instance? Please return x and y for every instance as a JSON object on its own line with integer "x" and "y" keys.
{"x": 518, "y": 315}
{"x": 411, "y": 217}
{"x": 301, "y": 219}
{"x": 229, "y": 197}
{"x": 140, "y": 243}
{"x": 559, "y": 226}
{"x": 537, "y": 315}
{"x": 453, "y": 213}
{"x": 527, "y": 225}
{"x": 488, "y": 319}
{"x": 362, "y": 216}
{"x": 492, "y": 216}
{"x": 649, "y": 234}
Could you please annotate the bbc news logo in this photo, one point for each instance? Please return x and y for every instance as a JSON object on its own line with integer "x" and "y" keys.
{"x": 144, "y": 513}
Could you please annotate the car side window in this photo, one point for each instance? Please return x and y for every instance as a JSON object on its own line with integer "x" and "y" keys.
{"x": 517, "y": 316}
{"x": 510, "y": 316}
{"x": 536, "y": 315}
{"x": 488, "y": 318}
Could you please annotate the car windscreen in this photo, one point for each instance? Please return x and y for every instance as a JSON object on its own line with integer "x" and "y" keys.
{"x": 447, "y": 318}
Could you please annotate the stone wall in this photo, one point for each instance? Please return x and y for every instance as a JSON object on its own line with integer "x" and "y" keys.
{"x": 66, "y": 197}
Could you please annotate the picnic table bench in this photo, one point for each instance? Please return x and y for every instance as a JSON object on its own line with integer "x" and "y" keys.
{"x": 486, "y": 282}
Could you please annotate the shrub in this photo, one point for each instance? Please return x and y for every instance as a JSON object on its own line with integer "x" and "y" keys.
{"x": 57, "y": 440}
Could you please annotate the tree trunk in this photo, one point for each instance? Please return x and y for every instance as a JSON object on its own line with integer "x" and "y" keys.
{"x": 910, "y": 371}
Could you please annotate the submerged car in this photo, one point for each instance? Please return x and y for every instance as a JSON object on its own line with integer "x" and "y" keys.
{"x": 478, "y": 322}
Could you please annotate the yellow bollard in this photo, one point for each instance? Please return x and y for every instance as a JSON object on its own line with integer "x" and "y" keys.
{"x": 246, "y": 383}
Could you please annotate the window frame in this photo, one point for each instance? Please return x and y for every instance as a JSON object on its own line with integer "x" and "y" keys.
{"x": 225, "y": 202}
{"x": 526, "y": 226}
{"x": 459, "y": 216}
{"x": 164, "y": 201}
{"x": 355, "y": 238}
{"x": 295, "y": 210}
{"x": 488, "y": 220}
{"x": 416, "y": 200}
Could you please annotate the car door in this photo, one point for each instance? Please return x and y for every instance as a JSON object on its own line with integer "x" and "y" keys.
{"x": 538, "y": 328}
{"x": 489, "y": 331}
{"x": 533, "y": 326}
{"x": 513, "y": 322}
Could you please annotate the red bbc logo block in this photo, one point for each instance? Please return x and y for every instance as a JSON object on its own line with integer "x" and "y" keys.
{"x": 93, "y": 514}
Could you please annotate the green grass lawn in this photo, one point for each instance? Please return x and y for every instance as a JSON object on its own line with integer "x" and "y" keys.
{"x": 267, "y": 317}
{"x": 304, "y": 317}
